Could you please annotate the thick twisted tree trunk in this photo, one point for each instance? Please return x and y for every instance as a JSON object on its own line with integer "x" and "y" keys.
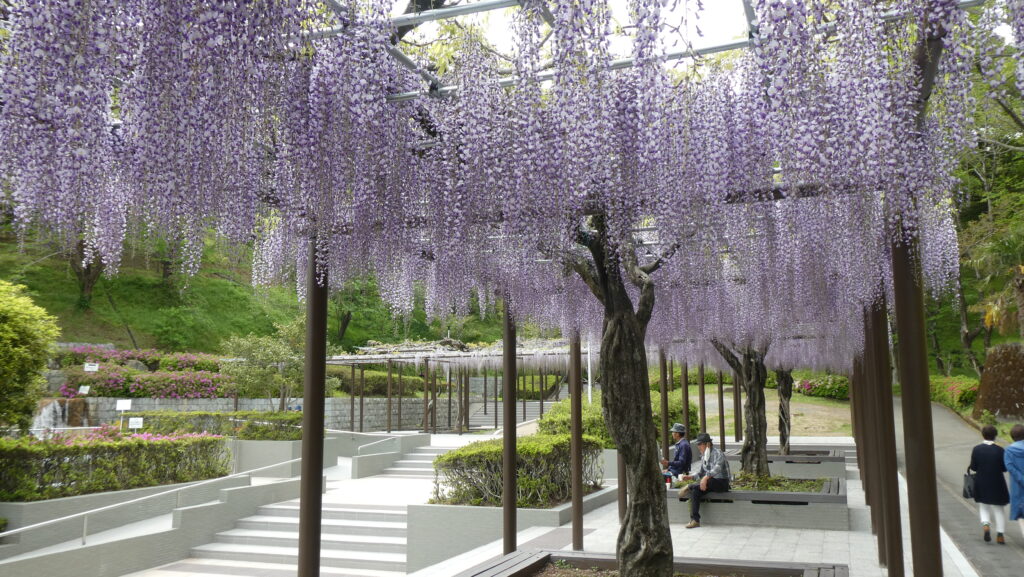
{"x": 644, "y": 546}
{"x": 785, "y": 380}
{"x": 88, "y": 274}
{"x": 748, "y": 363}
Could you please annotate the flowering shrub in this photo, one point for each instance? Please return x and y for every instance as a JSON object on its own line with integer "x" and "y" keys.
{"x": 828, "y": 386}
{"x": 957, "y": 393}
{"x": 105, "y": 460}
{"x": 153, "y": 359}
{"x": 247, "y": 425}
{"x": 122, "y": 382}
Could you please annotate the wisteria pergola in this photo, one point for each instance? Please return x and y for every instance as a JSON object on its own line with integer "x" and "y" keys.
{"x": 775, "y": 204}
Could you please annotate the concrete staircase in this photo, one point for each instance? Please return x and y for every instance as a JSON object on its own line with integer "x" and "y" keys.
{"x": 357, "y": 540}
{"x": 418, "y": 464}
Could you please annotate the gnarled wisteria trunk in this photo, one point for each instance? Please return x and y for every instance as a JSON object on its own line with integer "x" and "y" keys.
{"x": 644, "y": 546}
{"x": 748, "y": 363}
{"x": 785, "y": 381}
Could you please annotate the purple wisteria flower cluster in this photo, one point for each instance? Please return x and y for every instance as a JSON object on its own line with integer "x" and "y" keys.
{"x": 774, "y": 182}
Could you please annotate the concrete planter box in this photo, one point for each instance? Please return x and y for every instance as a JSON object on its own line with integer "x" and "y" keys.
{"x": 527, "y": 563}
{"x": 249, "y": 455}
{"x": 824, "y": 510}
{"x": 464, "y": 527}
{"x": 803, "y": 463}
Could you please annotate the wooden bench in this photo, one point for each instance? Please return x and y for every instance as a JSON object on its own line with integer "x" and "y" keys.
{"x": 527, "y": 563}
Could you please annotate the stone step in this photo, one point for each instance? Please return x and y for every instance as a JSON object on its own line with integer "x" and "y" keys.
{"x": 291, "y": 510}
{"x": 373, "y": 543}
{"x": 409, "y": 471}
{"x": 276, "y": 554}
{"x": 415, "y": 463}
{"x": 334, "y": 526}
{"x": 209, "y": 566}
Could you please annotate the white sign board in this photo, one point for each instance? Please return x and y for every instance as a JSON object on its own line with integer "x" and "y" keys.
{"x": 123, "y": 405}
{"x": 84, "y": 389}
{"x": 91, "y": 367}
{"x": 134, "y": 422}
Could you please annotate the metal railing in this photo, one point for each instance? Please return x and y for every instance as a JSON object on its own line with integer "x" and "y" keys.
{"x": 177, "y": 493}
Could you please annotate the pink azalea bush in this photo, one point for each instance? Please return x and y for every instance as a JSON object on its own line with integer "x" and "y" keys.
{"x": 123, "y": 382}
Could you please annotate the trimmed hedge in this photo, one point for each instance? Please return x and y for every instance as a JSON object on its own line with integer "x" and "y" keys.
{"x": 556, "y": 420}
{"x": 155, "y": 360}
{"x": 375, "y": 382}
{"x": 120, "y": 381}
{"x": 471, "y": 475}
{"x": 827, "y": 386}
{"x": 245, "y": 425}
{"x": 64, "y": 466}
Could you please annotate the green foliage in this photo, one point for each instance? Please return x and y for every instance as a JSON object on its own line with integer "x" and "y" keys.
{"x": 556, "y": 420}
{"x": 375, "y": 383}
{"x": 533, "y": 389}
{"x": 27, "y": 332}
{"x": 245, "y": 425}
{"x": 827, "y": 386}
{"x": 957, "y": 393}
{"x": 268, "y": 365}
{"x": 3, "y": 524}
{"x": 987, "y": 418}
{"x": 117, "y": 381}
{"x": 32, "y": 470}
{"x": 472, "y": 475}
{"x": 710, "y": 377}
{"x": 750, "y": 482}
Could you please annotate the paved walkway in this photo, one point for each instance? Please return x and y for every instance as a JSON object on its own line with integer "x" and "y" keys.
{"x": 954, "y": 439}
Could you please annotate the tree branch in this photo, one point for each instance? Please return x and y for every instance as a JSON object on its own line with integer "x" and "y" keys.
{"x": 998, "y": 143}
{"x": 665, "y": 256}
{"x": 586, "y": 271}
{"x": 730, "y": 357}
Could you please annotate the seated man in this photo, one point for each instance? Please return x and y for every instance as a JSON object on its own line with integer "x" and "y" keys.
{"x": 712, "y": 476}
{"x": 680, "y": 462}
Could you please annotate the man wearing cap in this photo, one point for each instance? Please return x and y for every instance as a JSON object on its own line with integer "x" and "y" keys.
{"x": 712, "y": 476}
{"x": 680, "y": 462}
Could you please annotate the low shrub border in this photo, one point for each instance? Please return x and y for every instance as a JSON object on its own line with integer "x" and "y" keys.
{"x": 119, "y": 381}
{"x": 155, "y": 360}
{"x": 556, "y": 420}
{"x": 826, "y": 386}
{"x": 471, "y": 475}
{"x": 244, "y": 425}
{"x": 105, "y": 460}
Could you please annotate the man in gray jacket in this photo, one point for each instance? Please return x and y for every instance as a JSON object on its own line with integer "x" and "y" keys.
{"x": 712, "y": 476}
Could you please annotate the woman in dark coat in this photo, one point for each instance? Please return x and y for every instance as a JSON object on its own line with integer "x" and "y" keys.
{"x": 990, "y": 491}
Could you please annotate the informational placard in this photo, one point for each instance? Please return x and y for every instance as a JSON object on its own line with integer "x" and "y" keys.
{"x": 123, "y": 405}
{"x": 91, "y": 367}
{"x": 84, "y": 389}
{"x": 134, "y": 422}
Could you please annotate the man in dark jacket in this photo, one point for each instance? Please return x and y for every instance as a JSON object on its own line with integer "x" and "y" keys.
{"x": 712, "y": 476}
{"x": 683, "y": 456}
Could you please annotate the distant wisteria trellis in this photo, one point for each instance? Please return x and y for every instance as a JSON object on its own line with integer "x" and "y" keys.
{"x": 776, "y": 179}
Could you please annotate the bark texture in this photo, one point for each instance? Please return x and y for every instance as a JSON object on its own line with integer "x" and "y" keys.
{"x": 785, "y": 381}
{"x": 644, "y": 546}
{"x": 88, "y": 274}
{"x": 748, "y": 363}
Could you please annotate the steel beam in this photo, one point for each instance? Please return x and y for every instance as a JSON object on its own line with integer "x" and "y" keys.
{"x": 311, "y": 481}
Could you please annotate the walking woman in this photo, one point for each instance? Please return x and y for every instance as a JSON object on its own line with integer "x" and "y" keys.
{"x": 990, "y": 486}
{"x": 1014, "y": 460}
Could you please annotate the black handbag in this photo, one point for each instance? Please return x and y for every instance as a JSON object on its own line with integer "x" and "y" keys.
{"x": 968, "y": 484}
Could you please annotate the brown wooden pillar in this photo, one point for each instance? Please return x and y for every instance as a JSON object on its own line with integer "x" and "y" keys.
{"x": 721, "y": 410}
{"x": 663, "y": 389}
{"x": 426, "y": 395}
{"x": 576, "y": 440}
{"x": 508, "y": 461}
{"x": 737, "y": 406}
{"x": 401, "y": 397}
{"x": 389, "y": 397}
{"x": 314, "y": 378}
{"x": 700, "y": 401}
{"x": 352, "y": 401}
{"x": 685, "y": 378}
{"x": 918, "y": 436}
{"x": 362, "y": 396}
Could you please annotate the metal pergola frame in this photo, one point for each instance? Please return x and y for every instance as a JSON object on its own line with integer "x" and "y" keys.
{"x": 872, "y": 406}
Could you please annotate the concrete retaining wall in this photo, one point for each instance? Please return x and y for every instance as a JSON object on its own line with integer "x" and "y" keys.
{"x": 191, "y": 526}
{"x": 466, "y": 527}
{"x": 337, "y": 414}
{"x": 832, "y": 515}
{"x": 25, "y": 514}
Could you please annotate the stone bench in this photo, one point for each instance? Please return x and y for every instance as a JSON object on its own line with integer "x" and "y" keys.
{"x": 802, "y": 463}
{"x": 826, "y": 509}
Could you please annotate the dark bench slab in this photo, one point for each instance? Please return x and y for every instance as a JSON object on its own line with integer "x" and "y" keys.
{"x": 527, "y": 563}
{"x": 826, "y": 509}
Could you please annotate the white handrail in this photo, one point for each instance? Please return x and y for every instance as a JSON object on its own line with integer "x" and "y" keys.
{"x": 85, "y": 514}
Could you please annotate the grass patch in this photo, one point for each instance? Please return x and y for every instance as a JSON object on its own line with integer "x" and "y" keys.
{"x": 744, "y": 482}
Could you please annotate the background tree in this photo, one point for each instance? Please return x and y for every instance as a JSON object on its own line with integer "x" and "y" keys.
{"x": 27, "y": 333}
{"x": 268, "y": 366}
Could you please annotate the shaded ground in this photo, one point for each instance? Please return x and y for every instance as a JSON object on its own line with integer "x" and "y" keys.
{"x": 812, "y": 416}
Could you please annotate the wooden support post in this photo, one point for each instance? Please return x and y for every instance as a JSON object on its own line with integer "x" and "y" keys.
{"x": 866, "y": 382}
{"x": 426, "y": 395}
{"x": 362, "y": 396}
{"x": 389, "y": 396}
{"x": 314, "y": 379}
{"x": 918, "y": 437}
{"x": 508, "y": 461}
{"x": 663, "y": 389}
{"x": 433, "y": 402}
{"x": 449, "y": 379}
{"x": 524, "y": 390}
{"x": 737, "y": 405}
{"x": 685, "y": 378}
{"x": 701, "y": 401}
{"x": 401, "y": 399}
{"x": 352, "y": 401}
{"x": 576, "y": 439}
{"x": 721, "y": 410}
{"x": 543, "y": 390}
